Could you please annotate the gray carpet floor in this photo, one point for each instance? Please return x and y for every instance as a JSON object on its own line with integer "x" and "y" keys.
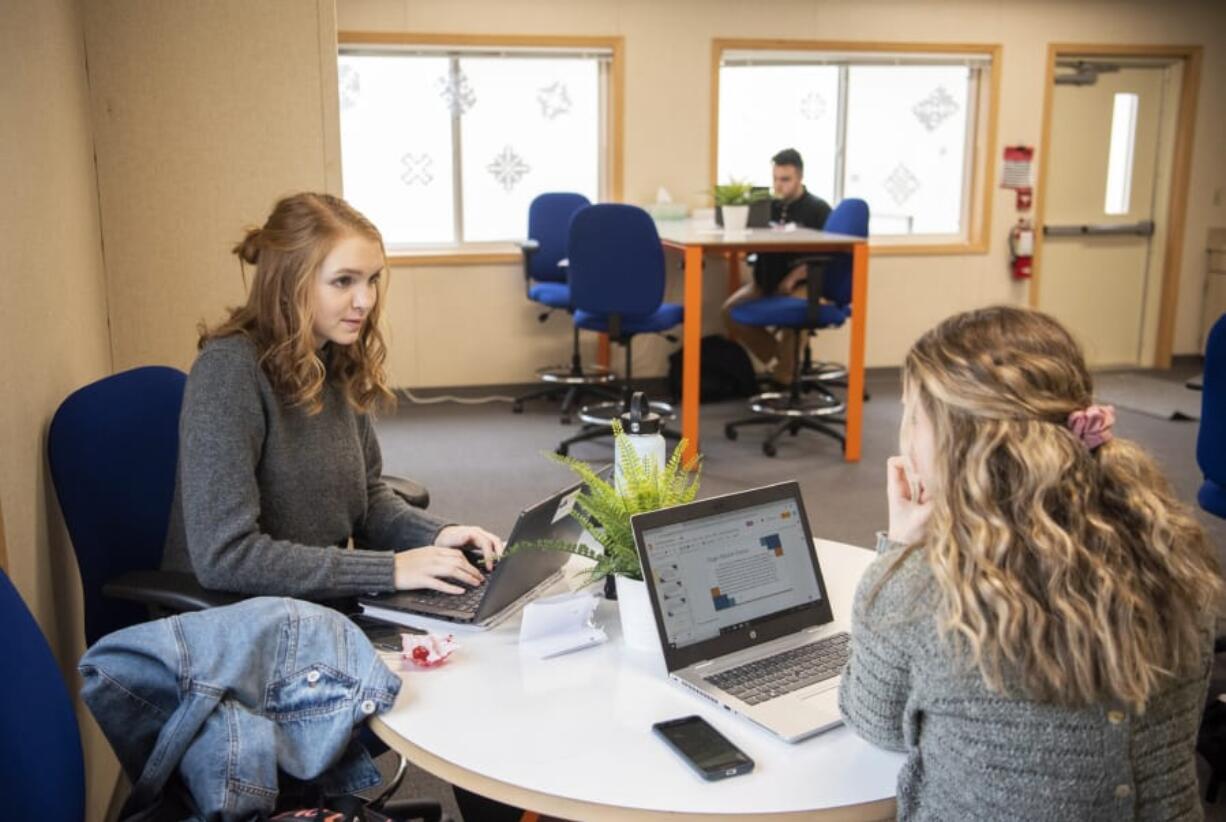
{"x": 483, "y": 464}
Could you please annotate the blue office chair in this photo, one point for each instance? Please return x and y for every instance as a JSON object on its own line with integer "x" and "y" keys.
{"x": 43, "y": 776}
{"x": 617, "y": 287}
{"x": 828, "y": 306}
{"x": 545, "y": 261}
{"x": 113, "y": 448}
{"x": 1211, "y": 438}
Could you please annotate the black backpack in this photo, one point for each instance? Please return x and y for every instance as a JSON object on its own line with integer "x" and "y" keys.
{"x": 727, "y": 372}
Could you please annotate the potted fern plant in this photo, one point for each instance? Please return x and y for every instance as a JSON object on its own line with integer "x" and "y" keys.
{"x": 732, "y": 202}
{"x": 604, "y": 509}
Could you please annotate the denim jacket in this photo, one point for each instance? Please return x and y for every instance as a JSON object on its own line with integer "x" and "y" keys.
{"x": 230, "y": 696}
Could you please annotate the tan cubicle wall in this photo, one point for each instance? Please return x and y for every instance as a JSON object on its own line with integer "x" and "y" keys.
{"x": 53, "y": 315}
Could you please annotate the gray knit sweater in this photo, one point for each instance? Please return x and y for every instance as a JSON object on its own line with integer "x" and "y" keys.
{"x": 267, "y": 496}
{"x": 975, "y": 755}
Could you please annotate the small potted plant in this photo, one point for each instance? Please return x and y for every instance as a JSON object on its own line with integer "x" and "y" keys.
{"x": 732, "y": 202}
{"x": 604, "y": 509}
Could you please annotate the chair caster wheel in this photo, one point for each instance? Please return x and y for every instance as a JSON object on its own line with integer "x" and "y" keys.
{"x": 769, "y": 449}
{"x": 565, "y": 419}
{"x": 562, "y": 450}
{"x": 517, "y": 407}
{"x": 794, "y": 430}
{"x": 730, "y": 432}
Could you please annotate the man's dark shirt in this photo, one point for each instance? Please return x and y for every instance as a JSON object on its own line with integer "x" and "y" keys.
{"x": 807, "y": 210}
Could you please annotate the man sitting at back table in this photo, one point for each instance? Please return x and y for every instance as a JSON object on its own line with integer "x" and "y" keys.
{"x": 779, "y": 273}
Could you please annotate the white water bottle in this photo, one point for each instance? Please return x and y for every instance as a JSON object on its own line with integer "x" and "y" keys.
{"x": 642, "y": 427}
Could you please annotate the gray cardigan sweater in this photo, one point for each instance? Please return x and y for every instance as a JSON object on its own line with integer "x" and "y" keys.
{"x": 267, "y": 496}
{"x": 973, "y": 754}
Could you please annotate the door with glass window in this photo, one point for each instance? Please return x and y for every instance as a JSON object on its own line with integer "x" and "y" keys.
{"x": 1107, "y": 178}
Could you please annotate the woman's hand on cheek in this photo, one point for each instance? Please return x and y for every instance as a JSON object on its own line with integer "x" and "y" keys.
{"x": 909, "y": 503}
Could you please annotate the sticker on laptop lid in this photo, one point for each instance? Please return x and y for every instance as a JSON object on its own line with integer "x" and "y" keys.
{"x": 566, "y": 505}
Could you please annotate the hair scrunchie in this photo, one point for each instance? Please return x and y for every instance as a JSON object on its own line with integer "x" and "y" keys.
{"x": 1093, "y": 425}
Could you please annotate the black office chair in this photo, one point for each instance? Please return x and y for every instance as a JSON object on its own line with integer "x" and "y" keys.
{"x": 113, "y": 448}
{"x": 546, "y": 281}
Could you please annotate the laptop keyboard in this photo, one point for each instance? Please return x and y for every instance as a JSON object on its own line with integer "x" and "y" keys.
{"x": 764, "y": 679}
{"x": 467, "y": 602}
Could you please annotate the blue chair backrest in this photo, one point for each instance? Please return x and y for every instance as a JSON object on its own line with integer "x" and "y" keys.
{"x": 549, "y": 224}
{"x": 848, "y": 217}
{"x": 113, "y": 449}
{"x": 43, "y": 770}
{"x": 1211, "y": 439}
{"x": 616, "y": 260}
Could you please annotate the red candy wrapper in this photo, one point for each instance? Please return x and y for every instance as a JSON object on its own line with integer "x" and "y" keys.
{"x": 427, "y": 650}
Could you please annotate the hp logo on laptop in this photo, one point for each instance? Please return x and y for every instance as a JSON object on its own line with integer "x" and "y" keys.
{"x": 753, "y": 634}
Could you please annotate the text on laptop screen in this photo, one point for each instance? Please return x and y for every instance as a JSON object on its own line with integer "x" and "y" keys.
{"x": 715, "y": 574}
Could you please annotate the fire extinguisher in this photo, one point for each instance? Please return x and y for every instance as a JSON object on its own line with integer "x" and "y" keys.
{"x": 1021, "y": 249}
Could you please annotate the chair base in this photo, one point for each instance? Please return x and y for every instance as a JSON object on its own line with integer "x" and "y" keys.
{"x": 566, "y": 375}
{"x": 570, "y": 387}
{"x": 790, "y": 413}
{"x": 792, "y": 426}
{"x": 603, "y": 413}
{"x": 595, "y": 432}
{"x": 778, "y": 404}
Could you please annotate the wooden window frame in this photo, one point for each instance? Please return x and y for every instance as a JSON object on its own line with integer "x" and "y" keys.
{"x": 983, "y": 168}
{"x": 505, "y": 253}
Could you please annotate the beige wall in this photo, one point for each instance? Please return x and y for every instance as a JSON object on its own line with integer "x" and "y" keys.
{"x": 667, "y": 143}
{"x": 53, "y": 319}
{"x": 205, "y": 114}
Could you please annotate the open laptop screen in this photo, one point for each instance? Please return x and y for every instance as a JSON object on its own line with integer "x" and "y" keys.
{"x": 729, "y": 572}
{"x": 718, "y": 573}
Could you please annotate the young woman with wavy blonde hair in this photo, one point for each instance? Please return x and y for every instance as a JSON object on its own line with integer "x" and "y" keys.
{"x": 1036, "y": 634}
{"x": 279, "y": 466}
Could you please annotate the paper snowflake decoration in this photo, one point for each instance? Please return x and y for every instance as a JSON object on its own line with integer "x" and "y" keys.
{"x": 508, "y": 168}
{"x": 935, "y": 109}
{"x": 901, "y": 184}
{"x": 417, "y": 169}
{"x": 812, "y": 106}
{"x": 350, "y": 86}
{"x": 554, "y": 100}
{"x": 457, "y": 93}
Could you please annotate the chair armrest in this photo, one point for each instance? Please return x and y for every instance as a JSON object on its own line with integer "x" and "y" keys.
{"x": 528, "y": 248}
{"x": 172, "y": 591}
{"x": 814, "y": 268}
{"x": 414, "y": 493}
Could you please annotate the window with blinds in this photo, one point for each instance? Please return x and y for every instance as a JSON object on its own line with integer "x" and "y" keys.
{"x": 445, "y": 147}
{"x": 899, "y": 130}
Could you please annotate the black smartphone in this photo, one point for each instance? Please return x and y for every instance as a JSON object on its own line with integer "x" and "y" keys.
{"x": 705, "y": 749}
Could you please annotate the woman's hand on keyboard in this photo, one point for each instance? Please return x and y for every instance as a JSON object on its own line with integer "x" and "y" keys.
{"x": 435, "y": 566}
{"x": 459, "y": 536}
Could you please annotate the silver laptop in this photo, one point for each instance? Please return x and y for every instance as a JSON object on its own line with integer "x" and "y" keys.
{"x": 742, "y": 610}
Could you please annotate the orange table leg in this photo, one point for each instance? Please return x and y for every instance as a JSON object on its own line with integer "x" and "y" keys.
{"x": 855, "y": 362}
{"x": 734, "y": 272}
{"x": 692, "y": 346}
{"x": 602, "y": 350}
{"x": 530, "y": 816}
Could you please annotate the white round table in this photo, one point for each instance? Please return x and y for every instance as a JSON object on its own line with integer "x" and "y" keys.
{"x": 571, "y": 736}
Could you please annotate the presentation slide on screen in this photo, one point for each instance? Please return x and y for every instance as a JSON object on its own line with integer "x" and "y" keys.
{"x": 716, "y": 573}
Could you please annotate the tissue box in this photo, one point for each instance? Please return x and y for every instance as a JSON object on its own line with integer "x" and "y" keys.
{"x": 667, "y": 211}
